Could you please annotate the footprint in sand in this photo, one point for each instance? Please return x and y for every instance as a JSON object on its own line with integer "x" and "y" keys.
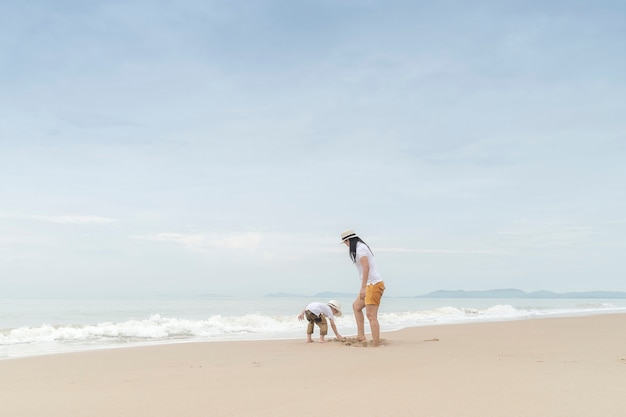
{"x": 353, "y": 341}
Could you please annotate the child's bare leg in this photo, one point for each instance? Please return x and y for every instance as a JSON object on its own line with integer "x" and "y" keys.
{"x": 323, "y": 325}
{"x": 309, "y": 332}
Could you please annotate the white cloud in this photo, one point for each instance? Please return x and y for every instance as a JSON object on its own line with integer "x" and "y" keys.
{"x": 445, "y": 251}
{"x": 75, "y": 219}
{"x": 68, "y": 219}
{"x": 549, "y": 236}
{"x": 238, "y": 241}
{"x": 201, "y": 242}
{"x": 191, "y": 241}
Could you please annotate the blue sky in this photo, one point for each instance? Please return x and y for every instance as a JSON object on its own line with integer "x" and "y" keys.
{"x": 194, "y": 147}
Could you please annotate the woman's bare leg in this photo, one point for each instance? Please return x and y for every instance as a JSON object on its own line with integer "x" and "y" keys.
{"x": 372, "y": 316}
{"x": 357, "y": 307}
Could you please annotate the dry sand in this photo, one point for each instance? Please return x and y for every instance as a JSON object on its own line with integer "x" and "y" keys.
{"x": 555, "y": 367}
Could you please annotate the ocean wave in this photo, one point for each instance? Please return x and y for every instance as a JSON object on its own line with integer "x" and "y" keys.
{"x": 446, "y": 315}
{"x": 160, "y": 328}
{"x": 155, "y": 328}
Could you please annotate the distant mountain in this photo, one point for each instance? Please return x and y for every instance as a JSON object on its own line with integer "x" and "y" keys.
{"x": 211, "y": 295}
{"x": 514, "y": 293}
{"x": 284, "y": 294}
{"x": 331, "y": 294}
{"x": 503, "y": 293}
{"x": 325, "y": 294}
{"x": 185, "y": 295}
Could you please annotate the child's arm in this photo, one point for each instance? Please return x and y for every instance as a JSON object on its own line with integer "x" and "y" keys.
{"x": 332, "y": 325}
{"x": 301, "y": 316}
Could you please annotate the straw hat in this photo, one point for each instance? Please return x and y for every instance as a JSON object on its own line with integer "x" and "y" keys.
{"x": 335, "y": 304}
{"x": 347, "y": 234}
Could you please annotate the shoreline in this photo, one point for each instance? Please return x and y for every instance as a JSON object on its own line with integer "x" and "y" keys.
{"x": 565, "y": 366}
{"x": 292, "y": 336}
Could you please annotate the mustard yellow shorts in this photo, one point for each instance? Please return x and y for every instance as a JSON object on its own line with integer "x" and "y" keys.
{"x": 373, "y": 293}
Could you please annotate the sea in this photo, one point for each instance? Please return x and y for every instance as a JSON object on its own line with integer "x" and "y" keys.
{"x": 44, "y": 326}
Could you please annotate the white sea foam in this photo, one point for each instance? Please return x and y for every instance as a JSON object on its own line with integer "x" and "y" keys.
{"x": 184, "y": 322}
{"x": 154, "y": 328}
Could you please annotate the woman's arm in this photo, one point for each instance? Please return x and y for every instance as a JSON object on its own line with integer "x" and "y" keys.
{"x": 366, "y": 273}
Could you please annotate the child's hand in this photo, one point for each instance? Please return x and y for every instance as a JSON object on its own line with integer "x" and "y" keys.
{"x": 301, "y": 316}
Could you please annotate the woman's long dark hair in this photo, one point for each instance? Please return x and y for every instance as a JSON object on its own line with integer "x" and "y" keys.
{"x": 353, "y": 242}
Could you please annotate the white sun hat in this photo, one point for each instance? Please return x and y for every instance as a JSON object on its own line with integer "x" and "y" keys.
{"x": 335, "y": 304}
{"x": 347, "y": 234}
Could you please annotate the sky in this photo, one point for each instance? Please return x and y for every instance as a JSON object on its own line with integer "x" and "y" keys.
{"x": 215, "y": 147}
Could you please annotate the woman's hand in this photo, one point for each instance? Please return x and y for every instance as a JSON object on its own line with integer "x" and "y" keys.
{"x": 362, "y": 294}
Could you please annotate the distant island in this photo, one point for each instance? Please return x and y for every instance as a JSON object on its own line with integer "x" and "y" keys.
{"x": 325, "y": 294}
{"x": 498, "y": 293}
{"x": 514, "y": 293}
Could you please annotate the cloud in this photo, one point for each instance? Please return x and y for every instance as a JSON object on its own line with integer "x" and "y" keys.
{"x": 191, "y": 241}
{"x": 94, "y": 120}
{"x": 65, "y": 219}
{"x": 75, "y": 219}
{"x": 548, "y": 236}
{"x": 239, "y": 241}
{"x": 201, "y": 242}
{"x": 444, "y": 251}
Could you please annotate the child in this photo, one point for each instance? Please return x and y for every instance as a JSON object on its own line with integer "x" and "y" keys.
{"x": 316, "y": 313}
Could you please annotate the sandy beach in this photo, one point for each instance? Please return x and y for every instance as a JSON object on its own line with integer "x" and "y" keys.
{"x": 551, "y": 367}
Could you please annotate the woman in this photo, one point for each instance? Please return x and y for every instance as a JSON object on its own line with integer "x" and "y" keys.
{"x": 372, "y": 286}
